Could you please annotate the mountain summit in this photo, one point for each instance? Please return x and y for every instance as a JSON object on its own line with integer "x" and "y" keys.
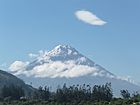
{"x": 65, "y": 53}
{"x": 64, "y": 64}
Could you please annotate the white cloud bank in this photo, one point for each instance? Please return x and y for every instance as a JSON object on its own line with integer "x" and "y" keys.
{"x": 89, "y": 17}
{"x": 60, "y": 69}
{"x": 52, "y": 69}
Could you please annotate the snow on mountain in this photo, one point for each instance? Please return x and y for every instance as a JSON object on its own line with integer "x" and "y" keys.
{"x": 62, "y": 61}
{"x": 64, "y": 64}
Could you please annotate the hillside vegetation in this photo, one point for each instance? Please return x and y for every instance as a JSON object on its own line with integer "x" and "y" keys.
{"x": 72, "y": 95}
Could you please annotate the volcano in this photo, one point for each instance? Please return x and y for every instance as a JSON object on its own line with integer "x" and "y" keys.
{"x": 64, "y": 64}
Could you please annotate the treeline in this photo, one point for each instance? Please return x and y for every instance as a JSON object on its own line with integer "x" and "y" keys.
{"x": 62, "y": 94}
{"x": 71, "y": 95}
{"x": 75, "y": 93}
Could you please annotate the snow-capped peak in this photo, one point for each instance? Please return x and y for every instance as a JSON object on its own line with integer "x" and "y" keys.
{"x": 63, "y": 50}
{"x": 65, "y": 53}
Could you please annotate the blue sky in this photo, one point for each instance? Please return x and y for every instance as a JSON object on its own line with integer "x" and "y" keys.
{"x": 27, "y": 26}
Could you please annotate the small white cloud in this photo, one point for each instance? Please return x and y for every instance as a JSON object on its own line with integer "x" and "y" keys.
{"x": 18, "y": 66}
{"x": 31, "y": 55}
{"x": 127, "y": 78}
{"x": 3, "y": 66}
{"x": 89, "y": 17}
{"x": 41, "y": 54}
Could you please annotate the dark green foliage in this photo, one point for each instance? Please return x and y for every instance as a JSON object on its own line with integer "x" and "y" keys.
{"x": 72, "y": 95}
{"x": 136, "y": 97}
{"x": 102, "y": 93}
{"x": 41, "y": 94}
{"x": 34, "y": 102}
{"x": 125, "y": 94}
{"x": 84, "y": 92}
{"x": 12, "y": 92}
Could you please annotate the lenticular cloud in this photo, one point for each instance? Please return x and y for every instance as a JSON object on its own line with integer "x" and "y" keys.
{"x": 89, "y": 17}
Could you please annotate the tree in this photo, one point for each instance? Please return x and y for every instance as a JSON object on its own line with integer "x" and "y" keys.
{"x": 102, "y": 92}
{"x": 42, "y": 93}
{"x": 125, "y": 94}
{"x": 46, "y": 93}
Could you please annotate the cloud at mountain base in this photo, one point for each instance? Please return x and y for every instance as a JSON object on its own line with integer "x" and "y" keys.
{"x": 52, "y": 69}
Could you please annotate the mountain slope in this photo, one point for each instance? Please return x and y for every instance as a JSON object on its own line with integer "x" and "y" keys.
{"x": 64, "y": 64}
{"x": 8, "y": 79}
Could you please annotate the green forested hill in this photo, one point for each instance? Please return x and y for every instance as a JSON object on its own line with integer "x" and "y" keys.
{"x": 7, "y": 79}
